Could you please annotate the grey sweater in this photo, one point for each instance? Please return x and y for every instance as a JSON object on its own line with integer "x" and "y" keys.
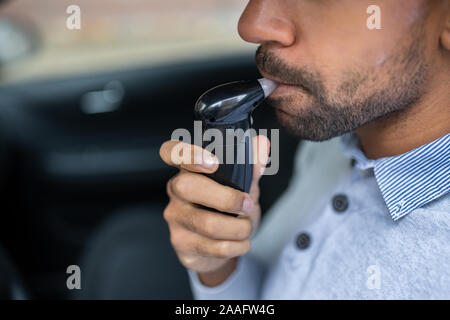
{"x": 332, "y": 236}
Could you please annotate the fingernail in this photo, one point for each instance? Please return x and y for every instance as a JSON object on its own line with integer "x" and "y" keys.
{"x": 247, "y": 206}
{"x": 206, "y": 160}
{"x": 209, "y": 161}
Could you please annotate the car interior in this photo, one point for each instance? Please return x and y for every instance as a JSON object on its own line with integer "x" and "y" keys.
{"x": 81, "y": 185}
{"x": 81, "y": 180}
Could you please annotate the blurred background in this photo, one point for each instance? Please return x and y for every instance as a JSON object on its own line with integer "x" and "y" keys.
{"x": 82, "y": 116}
{"x": 118, "y": 33}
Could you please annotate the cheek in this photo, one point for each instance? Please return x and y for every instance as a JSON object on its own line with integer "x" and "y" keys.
{"x": 398, "y": 20}
{"x": 345, "y": 40}
{"x": 338, "y": 42}
{"x": 342, "y": 43}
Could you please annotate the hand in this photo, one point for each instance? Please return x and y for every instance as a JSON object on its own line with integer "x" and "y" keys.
{"x": 206, "y": 241}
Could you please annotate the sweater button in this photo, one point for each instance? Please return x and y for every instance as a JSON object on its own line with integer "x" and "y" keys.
{"x": 340, "y": 203}
{"x": 303, "y": 240}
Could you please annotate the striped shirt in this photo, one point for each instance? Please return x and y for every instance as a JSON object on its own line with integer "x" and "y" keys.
{"x": 410, "y": 180}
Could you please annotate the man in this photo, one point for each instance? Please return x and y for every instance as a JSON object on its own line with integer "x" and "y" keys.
{"x": 384, "y": 229}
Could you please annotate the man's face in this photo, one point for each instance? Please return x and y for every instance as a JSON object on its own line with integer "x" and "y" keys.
{"x": 338, "y": 74}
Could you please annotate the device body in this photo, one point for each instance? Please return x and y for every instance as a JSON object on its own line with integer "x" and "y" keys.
{"x": 228, "y": 108}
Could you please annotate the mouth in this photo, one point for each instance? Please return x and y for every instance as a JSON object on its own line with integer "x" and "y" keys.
{"x": 283, "y": 87}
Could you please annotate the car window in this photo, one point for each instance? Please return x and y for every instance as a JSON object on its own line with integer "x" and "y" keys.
{"x": 119, "y": 34}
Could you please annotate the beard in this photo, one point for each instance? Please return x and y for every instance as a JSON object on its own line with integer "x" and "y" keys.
{"x": 317, "y": 113}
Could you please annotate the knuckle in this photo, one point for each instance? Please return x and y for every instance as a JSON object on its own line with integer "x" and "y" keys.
{"x": 245, "y": 229}
{"x": 169, "y": 187}
{"x": 223, "y": 249}
{"x": 172, "y": 212}
{"x": 180, "y": 183}
{"x": 174, "y": 239}
{"x": 188, "y": 261}
{"x": 208, "y": 225}
{"x": 163, "y": 150}
{"x": 234, "y": 201}
{"x": 246, "y": 246}
{"x": 167, "y": 213}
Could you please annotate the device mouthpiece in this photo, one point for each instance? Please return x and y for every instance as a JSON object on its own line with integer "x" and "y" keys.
{"x": 233, "y": 102}
{"x": 268, "y": 86}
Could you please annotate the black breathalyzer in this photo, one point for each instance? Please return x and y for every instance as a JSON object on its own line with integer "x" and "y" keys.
{"x": 228, "y": 108}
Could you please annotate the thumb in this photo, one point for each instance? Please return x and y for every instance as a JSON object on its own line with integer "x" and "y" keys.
{"x": 261, "y": 149}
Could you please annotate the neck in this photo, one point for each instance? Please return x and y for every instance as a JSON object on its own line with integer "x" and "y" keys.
{"x": 408, "y": 129}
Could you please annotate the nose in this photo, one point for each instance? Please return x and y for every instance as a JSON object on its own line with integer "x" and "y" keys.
{"x": 266, "y": 21}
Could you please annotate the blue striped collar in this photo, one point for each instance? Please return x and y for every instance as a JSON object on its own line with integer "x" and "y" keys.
{"x": 410, "y": 180}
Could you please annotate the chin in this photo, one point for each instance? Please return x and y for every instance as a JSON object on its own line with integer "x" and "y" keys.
{"x": 287, "y": 121}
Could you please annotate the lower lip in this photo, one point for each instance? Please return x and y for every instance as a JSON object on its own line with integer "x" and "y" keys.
{"x": 282, "y": 89}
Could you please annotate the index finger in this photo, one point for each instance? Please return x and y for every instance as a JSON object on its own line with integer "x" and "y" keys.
{"x": 189, "y": 157}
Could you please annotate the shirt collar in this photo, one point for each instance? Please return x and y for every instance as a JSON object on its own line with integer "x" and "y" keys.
{"x": 410, "y": 180}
